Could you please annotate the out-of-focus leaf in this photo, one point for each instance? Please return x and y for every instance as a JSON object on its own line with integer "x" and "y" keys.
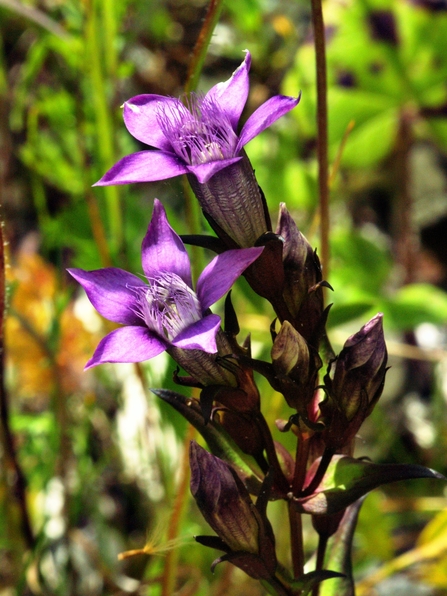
{"x": 429, "y": 555}
{"x": 415, "y": 304}
{"x": 339, "y": 315}
{"x": 339, "y": 555}
{"x": 370, "y": 142}
{"x": 434, "y": 537}
{"x": 347, "y": 479}
{"x": 362, "y": 107}
{"x": 359, "y": 262}
{"x": 374, "y": 533}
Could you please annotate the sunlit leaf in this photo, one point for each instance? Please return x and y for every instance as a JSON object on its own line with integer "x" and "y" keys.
{"x": 347, "y": 479}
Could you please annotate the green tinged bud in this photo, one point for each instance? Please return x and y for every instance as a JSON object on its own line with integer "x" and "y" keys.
{"x": 290, "y": 352}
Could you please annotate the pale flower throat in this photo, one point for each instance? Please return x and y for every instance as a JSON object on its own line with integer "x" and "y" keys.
{"x": 199, "y": 132}
{"x": 168, "y": 305}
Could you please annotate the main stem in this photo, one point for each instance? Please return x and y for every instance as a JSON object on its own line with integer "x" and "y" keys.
{"x": 322, "y": 142}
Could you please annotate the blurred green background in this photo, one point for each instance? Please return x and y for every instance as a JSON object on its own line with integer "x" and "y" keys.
{"x": 99, "y": 453}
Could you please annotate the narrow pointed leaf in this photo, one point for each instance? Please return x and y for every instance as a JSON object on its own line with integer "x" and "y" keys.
{"x": 347, "y": 479}
{"x": 219, "y": 442}
{"x": 339, "y": 555}
{"x": 307, "y": 582}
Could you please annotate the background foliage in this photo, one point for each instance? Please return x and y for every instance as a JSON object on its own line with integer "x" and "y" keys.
{"x": 99, "y": 453}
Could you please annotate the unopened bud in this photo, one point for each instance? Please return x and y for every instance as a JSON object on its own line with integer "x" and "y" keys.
{"x": 360, "y": 368}
{"x": 302, "y": 291}
{"x": 357, "y": 383}
{"x": 223, "y": 501}
{"x": 290, "y": 352}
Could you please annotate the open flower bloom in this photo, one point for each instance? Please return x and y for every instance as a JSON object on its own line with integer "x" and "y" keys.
{"x": 199, "y": 137}
{"x": 164, "y": 310}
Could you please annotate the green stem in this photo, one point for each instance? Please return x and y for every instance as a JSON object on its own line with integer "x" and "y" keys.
{"x": 321, "y": 553}
{"x": 322, "y": 126}
{"x": 104, "y": 125}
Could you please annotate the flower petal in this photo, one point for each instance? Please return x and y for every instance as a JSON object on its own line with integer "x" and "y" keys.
{"x": 110, "y": 292}
{"x": 264, "y": 116}
{"x": 141, "y": 117}
{"x": 219, "y": 275}
{"x": 162, "y": 249}
{"x": 231, "y": 95}
{"x": 204, "y": 171}
{"x": 127, "y": 344}
{"x": 200, "y": 335}
{"x": 143, "y": 166}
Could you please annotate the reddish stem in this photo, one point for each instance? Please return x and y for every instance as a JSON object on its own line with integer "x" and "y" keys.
{"x": 322, "y": 125}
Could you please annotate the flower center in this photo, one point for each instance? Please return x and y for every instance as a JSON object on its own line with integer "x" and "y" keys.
{"x": 199, "y": 132}
{"x": 168, "y": 305}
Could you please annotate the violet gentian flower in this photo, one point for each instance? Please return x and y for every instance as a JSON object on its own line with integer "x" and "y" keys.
{"x": 199, "y": 137}
{"x": 163, "y": 311}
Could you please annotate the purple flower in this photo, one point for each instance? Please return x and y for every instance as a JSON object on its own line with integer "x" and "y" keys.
{"x": 164, "y": 310}
{"x": 199, "y": 137}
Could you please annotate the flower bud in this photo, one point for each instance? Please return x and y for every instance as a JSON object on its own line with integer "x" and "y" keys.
{"x": 357, "y": 383}
{"x": 290, "y": 352}
{"x": 302, "y": 291}
{"x": 223, "y": 501}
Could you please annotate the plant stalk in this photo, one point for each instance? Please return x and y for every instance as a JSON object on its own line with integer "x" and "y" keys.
{"x": 322, "y": 132}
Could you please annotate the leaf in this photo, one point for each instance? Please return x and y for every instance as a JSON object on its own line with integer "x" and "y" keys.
{"x": 219, "y": 442}
{"x": 308, "y": 581}
{"x": 344, "y": 313}
{"x": 415, "y": 304}
{"x": 339, "y": 554}
{"x": 369, "y": 143}
{"x": 347, "y": 479}
{"x": 432, "y": 543}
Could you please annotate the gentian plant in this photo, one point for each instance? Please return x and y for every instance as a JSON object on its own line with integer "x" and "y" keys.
{"x": 329, "y": 396}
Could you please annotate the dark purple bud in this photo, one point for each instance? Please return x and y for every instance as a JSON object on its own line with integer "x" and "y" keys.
{"x": 224, "y": 501}
{"x": 357, "y": 383}
{"x": 382, "y": 25}
{"x": 302, "y": 291}
{"x": 360, "y": 367}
